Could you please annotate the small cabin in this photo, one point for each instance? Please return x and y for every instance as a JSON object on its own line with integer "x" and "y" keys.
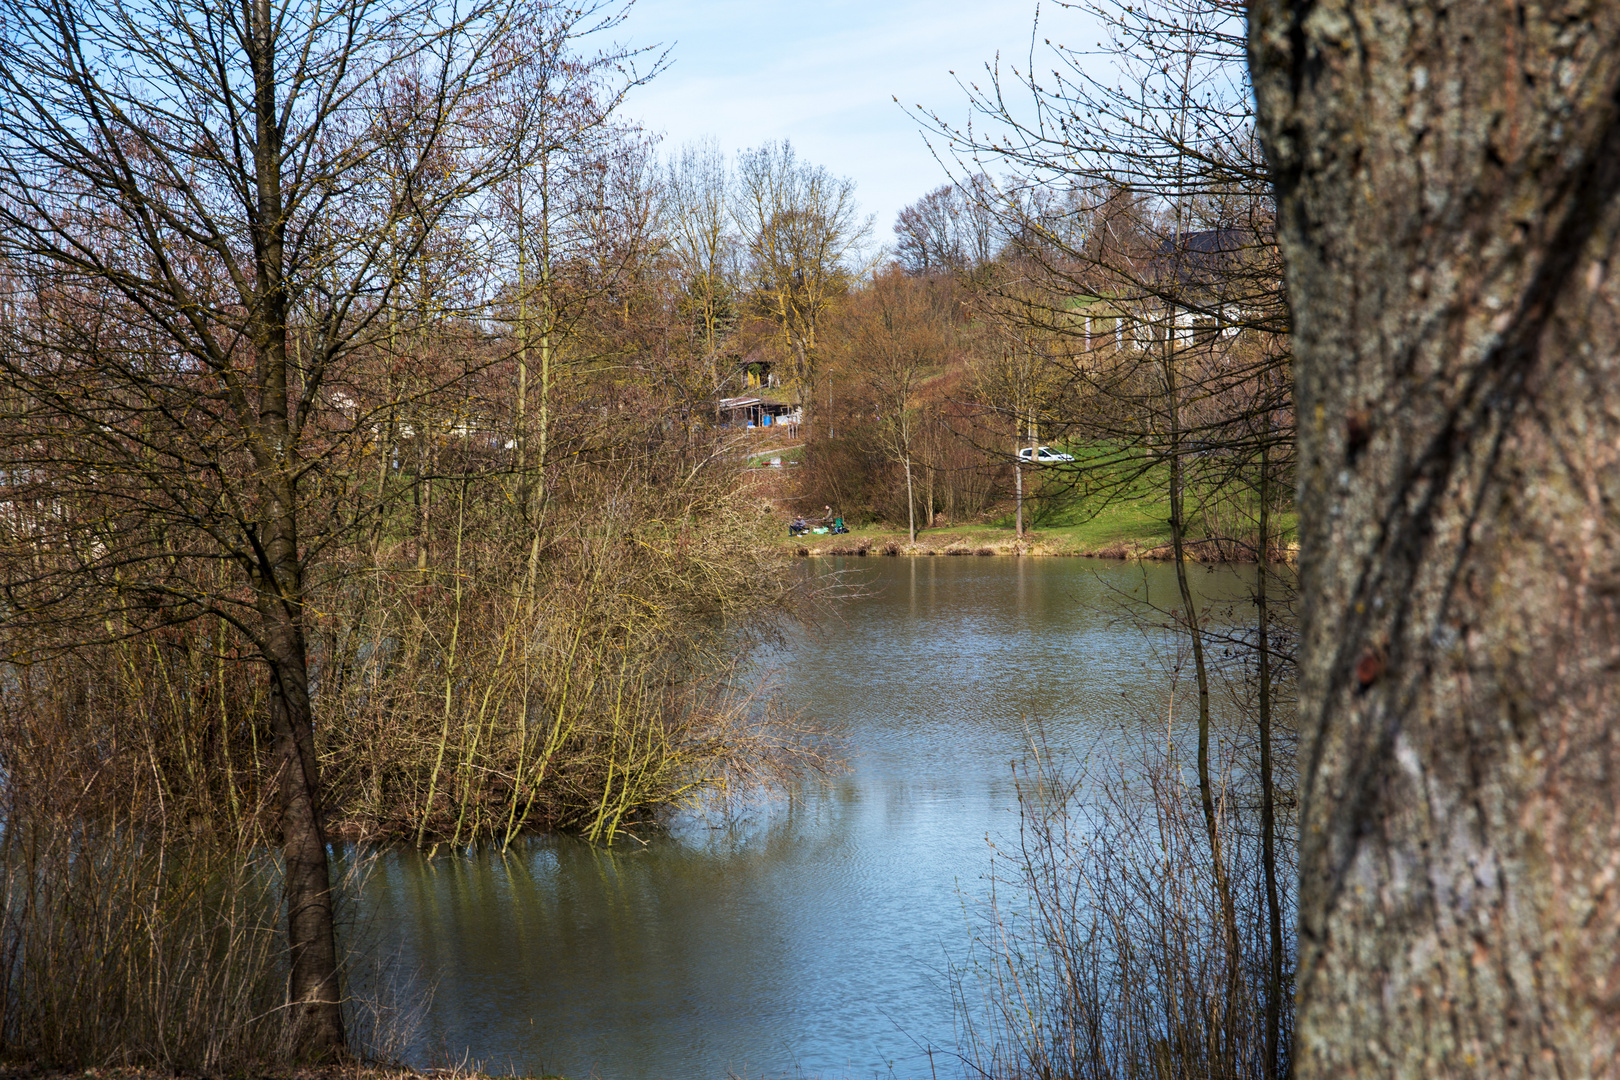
{"x": 755, "y": 412}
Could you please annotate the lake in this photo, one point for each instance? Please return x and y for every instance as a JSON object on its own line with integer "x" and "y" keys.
{"x": 812, "y": 936}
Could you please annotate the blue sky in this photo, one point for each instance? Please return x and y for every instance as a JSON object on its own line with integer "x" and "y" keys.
{"x": 824, "y": 75}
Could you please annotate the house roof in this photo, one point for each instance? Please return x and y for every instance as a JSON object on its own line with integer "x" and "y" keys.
{"x": 1200, "y": 260}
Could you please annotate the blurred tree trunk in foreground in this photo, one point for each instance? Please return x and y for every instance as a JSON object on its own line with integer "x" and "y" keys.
{"x": 1446, "y": 179}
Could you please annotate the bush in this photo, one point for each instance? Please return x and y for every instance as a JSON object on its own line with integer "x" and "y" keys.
{"x": 1102, "y": 950}
{"x": 124, "y": 946}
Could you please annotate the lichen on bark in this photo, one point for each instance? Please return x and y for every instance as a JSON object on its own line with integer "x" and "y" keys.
{"x": 1447, "y": 181}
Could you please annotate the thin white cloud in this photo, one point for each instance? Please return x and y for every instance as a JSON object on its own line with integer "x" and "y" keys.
{"x": 826, "y": 75}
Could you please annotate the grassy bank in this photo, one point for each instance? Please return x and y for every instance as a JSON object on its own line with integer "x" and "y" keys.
{"x": 1136, "y": 528}
{"x": 1120, "y": 536}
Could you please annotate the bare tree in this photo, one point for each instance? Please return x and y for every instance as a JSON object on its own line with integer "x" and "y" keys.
{"x": 1140, "y": 226}
{"x": 1019, "y": 379}
{"x": 803, "y": 233}
{"x": 558, "y": 112}
{"x": 894, "y": 341}
{"x": 205, "y": 211}
{"x": 926, "y": 238}
{"x": 1448, "y": 182}
{"x": 704, "y": 238}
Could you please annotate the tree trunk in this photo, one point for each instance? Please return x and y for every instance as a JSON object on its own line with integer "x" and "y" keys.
{"x": 1195, "y": 638}
{"x": 928, "y": 496}
{"x": 520, "y": 394}
{"x": 1276, "y": 944}
{"x": 315, "y": 1019}
{"x": 1018, "y": 500}
{"x": 314, "y": 1029}
{"x": 911, "y": 504}
{"x": 1446, "y": 183}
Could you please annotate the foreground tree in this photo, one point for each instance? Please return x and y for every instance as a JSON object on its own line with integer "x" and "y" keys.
{"x": 1448, "y": 182}
{"x": 204, "y": 214}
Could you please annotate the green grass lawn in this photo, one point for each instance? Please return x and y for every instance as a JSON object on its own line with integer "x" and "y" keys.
{"x": 1102, "y": 504}
{"x": 787, "y": 455}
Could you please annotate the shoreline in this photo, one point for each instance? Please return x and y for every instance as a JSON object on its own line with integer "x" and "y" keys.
{"x": 945, "y": 542}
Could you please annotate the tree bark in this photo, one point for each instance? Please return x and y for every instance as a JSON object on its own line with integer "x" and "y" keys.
{"x": 315, "y": 1021}
{"x": 1446, "y": 179}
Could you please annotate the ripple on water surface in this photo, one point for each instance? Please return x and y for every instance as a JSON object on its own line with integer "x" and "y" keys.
{"x": 811, "y": 939}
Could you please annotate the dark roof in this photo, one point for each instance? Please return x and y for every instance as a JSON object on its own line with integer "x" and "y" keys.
{"x": 1199, "y": 260}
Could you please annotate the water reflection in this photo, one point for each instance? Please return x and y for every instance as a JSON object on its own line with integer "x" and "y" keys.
{"x": 810, "y": 938}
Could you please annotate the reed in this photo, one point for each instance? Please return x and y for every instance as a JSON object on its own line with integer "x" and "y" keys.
{"x": 584, "y": 681}
{"x": 1102, "y": 948}
{"x": 128, "y": 943}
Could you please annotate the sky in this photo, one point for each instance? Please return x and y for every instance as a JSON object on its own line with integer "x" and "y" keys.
{"x": 825, "y": 74}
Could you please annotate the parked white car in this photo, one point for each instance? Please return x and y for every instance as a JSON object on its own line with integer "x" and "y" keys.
{"x": 1043, "y": 455}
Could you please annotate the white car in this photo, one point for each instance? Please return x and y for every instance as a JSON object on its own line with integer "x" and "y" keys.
{"x": 1043, "y": 455}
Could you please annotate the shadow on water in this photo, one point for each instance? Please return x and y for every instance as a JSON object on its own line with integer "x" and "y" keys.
{"x": 809, "y": 937}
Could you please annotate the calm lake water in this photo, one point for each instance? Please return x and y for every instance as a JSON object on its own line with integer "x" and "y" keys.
{"x": 812, "y": 937}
